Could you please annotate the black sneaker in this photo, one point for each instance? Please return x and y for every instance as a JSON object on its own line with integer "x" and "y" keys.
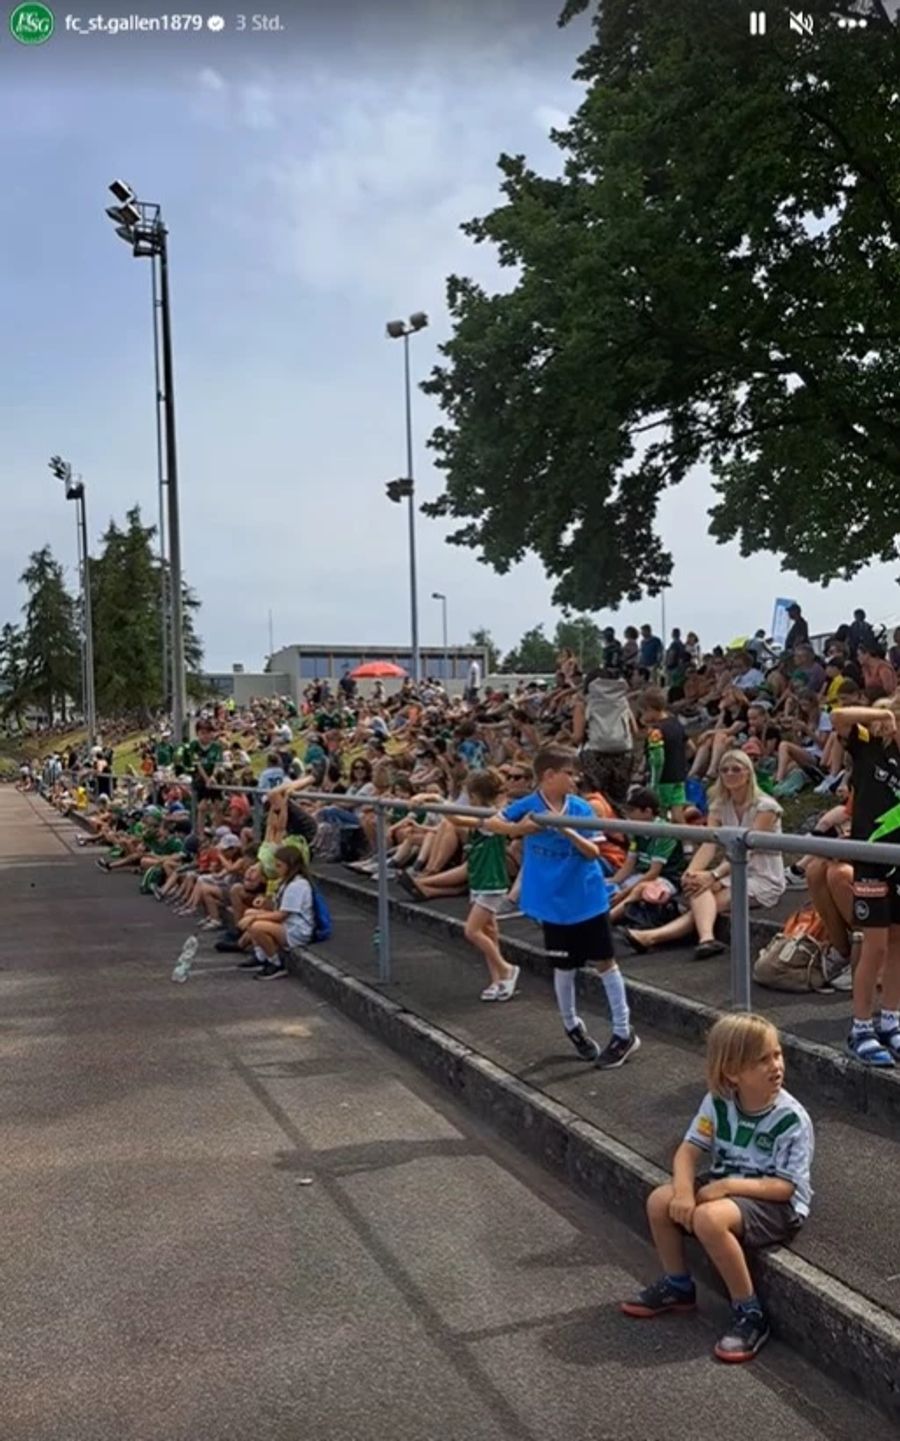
{"x": 250, "y": 964}
{"x": 749, "y": 1330}
{"x": 270, "y": 972}
{"x": 660, "y": 1299}
{"x": 617, "y": 1051}
{"x": 584, "y": 1044}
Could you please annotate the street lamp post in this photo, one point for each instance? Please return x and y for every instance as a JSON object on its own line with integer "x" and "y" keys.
{"x": 397, "y": 330}
{"x": 75, "y": 491}
{"x": 439, "y": 595}
{"x": 139, "y": 223}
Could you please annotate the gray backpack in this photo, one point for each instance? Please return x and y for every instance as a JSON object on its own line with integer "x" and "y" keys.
{"x": 608, "y": 717}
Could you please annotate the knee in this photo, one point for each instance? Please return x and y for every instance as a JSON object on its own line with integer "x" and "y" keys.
{"x": 709, "y": 1221}
{"x": 658, "y": 1202}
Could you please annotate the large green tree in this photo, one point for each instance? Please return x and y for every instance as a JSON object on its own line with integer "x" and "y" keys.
{"x": 583, "y": 637}
{"x": 714, "y": 278}
{"x": 46, "y": 656}
{"x": 534, "y": 655}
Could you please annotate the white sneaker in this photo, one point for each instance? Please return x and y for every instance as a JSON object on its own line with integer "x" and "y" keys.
{"x": 507, "y": 989}
{"x": 796, "y": 880}
{"x": 837, "y": 970}
{"x": 490, "y": 992}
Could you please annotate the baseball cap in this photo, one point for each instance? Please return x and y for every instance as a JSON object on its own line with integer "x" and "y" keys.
{"x": 229, "y": 842}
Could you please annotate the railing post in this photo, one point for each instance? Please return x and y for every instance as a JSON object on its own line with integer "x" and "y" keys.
{"x": 257, "y": 816}
{"x": 384, "y": 910}
{"x": 740, "y": 925}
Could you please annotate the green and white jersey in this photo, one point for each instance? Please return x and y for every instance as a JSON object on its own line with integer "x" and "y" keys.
{"x": 486, "y": 857}
{"x": 776, "y": 1142}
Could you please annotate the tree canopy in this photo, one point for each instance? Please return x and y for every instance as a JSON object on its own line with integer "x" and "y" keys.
{"x": 713, "y": 279}
{"x": 40, "y": 662}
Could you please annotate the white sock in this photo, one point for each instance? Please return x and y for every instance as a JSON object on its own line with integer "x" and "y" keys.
{"x": 259, "y": 953}
{"x": 890, "y": 1020}
{"x": 617, "y": 1000}
{"x": 564, "y": 986}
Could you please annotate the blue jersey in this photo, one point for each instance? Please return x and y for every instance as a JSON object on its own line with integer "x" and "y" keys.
{"x": 558, "y": 883}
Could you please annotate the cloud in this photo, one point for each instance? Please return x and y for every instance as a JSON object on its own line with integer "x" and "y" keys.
{"x": 550, "y": 117}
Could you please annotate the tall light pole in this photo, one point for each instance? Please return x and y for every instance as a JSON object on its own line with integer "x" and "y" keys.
{"x": 139, "y": 223}
{"x": 75, "y": 491}
{"x": 161, "y": 486}
{"x": 402, "y": 330}
{"x": 439, "y": 595}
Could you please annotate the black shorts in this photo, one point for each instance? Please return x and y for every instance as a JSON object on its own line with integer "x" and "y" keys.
{"x": 579, "y": 944}
{"x": 876, "y": 896}
{"x": 765, "y": 1223}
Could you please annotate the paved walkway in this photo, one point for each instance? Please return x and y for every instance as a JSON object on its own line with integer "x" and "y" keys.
{"x": 167, "y": 1275}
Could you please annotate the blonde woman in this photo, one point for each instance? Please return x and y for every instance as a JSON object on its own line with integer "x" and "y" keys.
{"x": 735, "y": 800}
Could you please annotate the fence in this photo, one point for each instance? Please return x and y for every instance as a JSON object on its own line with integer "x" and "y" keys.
{"x": 736, "y": 843}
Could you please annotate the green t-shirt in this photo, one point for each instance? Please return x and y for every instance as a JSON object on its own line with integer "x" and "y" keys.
{"x": 486, "y": 856}
{"x": 165, "y": 754}
{"x": 206, "y": 756}
{"x": 166, "y": 845}
{"x": 648, "y": 849}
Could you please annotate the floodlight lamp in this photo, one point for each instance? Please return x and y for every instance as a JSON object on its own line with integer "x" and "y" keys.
{"x": 418, "y": 320}
{"x": 130, "y": 214}
{"x": 60, "y": 468}
{"x": 116, "y": 214}
{"x": 122, "y": 191}
{"x": 125, "y": 234}
{"x": 396, "y": 329}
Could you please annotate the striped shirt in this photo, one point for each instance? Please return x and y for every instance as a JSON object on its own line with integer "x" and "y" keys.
{"x": 776, "y": 1142}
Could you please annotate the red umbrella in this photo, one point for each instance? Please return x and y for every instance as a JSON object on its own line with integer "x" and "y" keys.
{"x": 377, "y": 670}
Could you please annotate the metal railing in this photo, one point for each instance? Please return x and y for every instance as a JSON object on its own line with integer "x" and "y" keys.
{"x": 736, "y": 843}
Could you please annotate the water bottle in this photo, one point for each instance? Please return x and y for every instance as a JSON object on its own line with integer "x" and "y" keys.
{"x": 376, "y": 941}
{"x": 185, "y": 960}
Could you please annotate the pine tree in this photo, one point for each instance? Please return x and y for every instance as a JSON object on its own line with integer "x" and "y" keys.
{"x": 50, "y": 652}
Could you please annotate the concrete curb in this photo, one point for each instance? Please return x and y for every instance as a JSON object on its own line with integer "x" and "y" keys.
{"x": 834, "y": 1077}
{"x": 842, "y": 1333}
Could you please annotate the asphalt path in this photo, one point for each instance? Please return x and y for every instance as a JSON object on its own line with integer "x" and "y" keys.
{"x": 229, "y": 1213}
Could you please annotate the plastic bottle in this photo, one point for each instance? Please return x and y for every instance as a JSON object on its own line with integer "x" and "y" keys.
{"x": 185, "y": 960}
{"x": 376, "y": 940}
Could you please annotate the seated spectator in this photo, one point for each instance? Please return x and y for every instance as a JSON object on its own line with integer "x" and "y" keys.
{"x": 273, "y": 774}
{"x": 801, "y": 756}
{"x": 289, "y": 922}
{"x": 654, "y": 864}
{"x": 736, "y": 801}
{"x": 878, "y": 676}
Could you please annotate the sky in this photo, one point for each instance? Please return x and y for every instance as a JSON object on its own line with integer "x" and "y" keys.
{"x": 313, "y": 180}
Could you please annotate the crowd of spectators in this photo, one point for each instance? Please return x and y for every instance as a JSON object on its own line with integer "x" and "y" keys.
{"x": 661, "y": 731}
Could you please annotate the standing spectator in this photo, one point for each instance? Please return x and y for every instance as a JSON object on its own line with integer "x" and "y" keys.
{"x": 563, "y": 887}
{"x": 799, "y": 629}
{"x": 613, "y": 660}
{"x": 650, "y": 650}
{"x": 473, "y": 684}
{"x": 694, "y": 648}
{"x": 666, "y": 754}
{"x": 604, "y": 726}
{"x": 860, "y": 634}
{"x": 758, "y": 647}
{"x": 347, "y": 685}
{"x": 678, "y": 658}
{"x": 630, "y": 648}
{"x": 870, "y": 735}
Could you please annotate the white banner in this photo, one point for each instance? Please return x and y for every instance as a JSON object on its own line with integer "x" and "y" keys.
{"x": 781, "y": 621}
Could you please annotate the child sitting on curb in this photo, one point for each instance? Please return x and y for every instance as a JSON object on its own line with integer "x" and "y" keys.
{"x": 758, "y": 1142}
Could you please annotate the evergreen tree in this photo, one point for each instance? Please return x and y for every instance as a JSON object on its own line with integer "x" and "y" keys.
{"x": 50, "y": 653}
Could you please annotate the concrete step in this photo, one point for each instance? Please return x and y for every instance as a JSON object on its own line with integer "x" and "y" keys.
{"x": 614, "y": 1133}
{"x": 678, "y": 996}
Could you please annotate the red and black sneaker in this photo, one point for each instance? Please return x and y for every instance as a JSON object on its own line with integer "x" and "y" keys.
{"x": 660, "y": 1299}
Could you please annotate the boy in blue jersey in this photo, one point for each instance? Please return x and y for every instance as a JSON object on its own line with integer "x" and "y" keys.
{"x": 563, "y": 887}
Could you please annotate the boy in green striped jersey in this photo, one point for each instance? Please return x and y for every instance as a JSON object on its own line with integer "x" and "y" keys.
{"x": 758, "y": 1143}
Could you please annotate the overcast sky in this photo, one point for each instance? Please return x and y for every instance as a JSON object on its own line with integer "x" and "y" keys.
{"x": 314, "y": 182}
